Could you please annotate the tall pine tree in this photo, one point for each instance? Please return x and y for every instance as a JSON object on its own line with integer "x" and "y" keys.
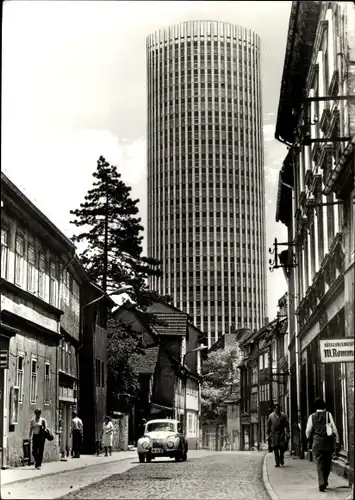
{"x": 112, "y": 236}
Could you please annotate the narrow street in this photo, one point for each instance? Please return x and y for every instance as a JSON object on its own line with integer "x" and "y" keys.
{"x": 220, "y": 475}
{"x": 230, "y": 475}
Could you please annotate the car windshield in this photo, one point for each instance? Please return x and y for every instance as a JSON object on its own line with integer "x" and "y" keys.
{"x": 160, "y": 426}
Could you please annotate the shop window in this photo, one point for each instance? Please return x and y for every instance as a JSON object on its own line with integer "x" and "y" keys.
{"x": 4, "y": 252}
{"x": 47, "y": 383}
{"x": 33, "y": 393}
{"x": 19, "y": 376}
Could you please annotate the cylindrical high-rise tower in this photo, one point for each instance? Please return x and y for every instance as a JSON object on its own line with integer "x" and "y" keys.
{"x": 206, "y": 213}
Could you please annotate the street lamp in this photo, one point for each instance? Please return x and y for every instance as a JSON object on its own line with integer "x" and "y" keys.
{"x": 198, "y": 349}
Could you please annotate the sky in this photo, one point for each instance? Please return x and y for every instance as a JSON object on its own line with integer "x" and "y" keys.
{"x": 74, "y": 88}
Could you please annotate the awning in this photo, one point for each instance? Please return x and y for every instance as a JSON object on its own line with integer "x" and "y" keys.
{"x": 334, "y": 175}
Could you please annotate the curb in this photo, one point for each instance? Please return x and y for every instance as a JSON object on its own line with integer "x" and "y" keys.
{"x": 17, "y": 481}
{"x": 267, "y": 484}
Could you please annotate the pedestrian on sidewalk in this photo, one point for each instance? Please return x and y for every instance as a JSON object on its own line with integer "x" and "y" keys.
{"x": 107, "y": 435}
{"x": 278, "y": 434}
{"x": 322, "y": 436}
{"x": 37, "y": 434}
{"x": 76, "y": 433}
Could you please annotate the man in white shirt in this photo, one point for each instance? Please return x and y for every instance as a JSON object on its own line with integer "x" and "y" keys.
{"x": 77, "y": 434}
{"x": 322, "y": 444}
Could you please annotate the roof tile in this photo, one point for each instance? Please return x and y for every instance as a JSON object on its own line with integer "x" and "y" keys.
{"x": 171, "y": 323}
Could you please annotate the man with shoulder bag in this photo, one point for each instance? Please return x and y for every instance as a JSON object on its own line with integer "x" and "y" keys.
{"x": 322, "y": 433}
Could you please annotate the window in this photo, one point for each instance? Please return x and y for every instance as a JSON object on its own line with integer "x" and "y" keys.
{"x": 190, "y": 423}
{"x": 53, "y": 284}
{"x": 266, "y": 359}
{"x": 254, "y": 375}
{"x": 66, "y": 287}
{"x": 19, "y": 378}
{"x": 102, "y": 374}
{"x": 47, "y": 383}
{"x": 31, "y": 278}
{"x": 4, "y": 252}
{"x": 254, "y": 399}
{"x": 98, "y": 373}
{"x": 41, "y": 275}
{"x": 19, "y": 262}
{"x": 33, "y": 395}
{"x": 261, "y": 362}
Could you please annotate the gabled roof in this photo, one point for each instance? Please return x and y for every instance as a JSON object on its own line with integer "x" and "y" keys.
{"x": 174, "y": 323}
{"x": 145, "y": 363}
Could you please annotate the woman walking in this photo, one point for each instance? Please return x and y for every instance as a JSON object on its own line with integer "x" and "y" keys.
{"x": 322, "y": 434}
{"x": 37, "y": 434}
{"x": 107, "y": 435}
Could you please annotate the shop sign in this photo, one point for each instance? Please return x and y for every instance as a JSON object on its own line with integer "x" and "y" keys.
{"x": 337, "y": 350}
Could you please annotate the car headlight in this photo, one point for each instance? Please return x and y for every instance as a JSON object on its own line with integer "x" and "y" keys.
{"x": 145, "y": 444}
{"x": 170, "y": 444}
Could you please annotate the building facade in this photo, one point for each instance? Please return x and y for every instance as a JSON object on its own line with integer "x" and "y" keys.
{"x": 206, "y": 173}
{"x": 93, "y": 363}
{"x": 316, "y": 119}
{"x": 50, "y": 333}
{"x": 33, "y": 254}
{"x": 169, "y": 387}
{"x": 263, "y": 379}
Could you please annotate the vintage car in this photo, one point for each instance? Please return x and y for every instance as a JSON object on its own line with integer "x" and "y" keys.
{"x": 162, "y": 438}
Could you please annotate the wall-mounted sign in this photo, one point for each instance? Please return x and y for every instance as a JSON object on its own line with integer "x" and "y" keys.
{"x": 337, "y": 350}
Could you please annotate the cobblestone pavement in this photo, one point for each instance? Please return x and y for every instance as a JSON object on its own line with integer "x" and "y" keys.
{"x": 230, "y": 475}
{"x": 57, "y": 479}
{"x": 57, "y": 485}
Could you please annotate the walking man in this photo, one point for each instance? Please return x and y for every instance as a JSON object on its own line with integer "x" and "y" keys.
{"x": 278, "y": 433}
{"x": 77, "y": 433}
{"x": 322, "y": 440}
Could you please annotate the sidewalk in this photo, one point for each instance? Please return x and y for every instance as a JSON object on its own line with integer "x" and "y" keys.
{"x": 298, "y": 480}
{"x": 48, "y": 468}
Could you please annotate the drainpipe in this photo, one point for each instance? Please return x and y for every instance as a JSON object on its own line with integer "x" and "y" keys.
{"x": 296, "y": 294}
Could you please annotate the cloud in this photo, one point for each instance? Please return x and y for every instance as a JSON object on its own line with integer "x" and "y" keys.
{"x": 269, "y": 132}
